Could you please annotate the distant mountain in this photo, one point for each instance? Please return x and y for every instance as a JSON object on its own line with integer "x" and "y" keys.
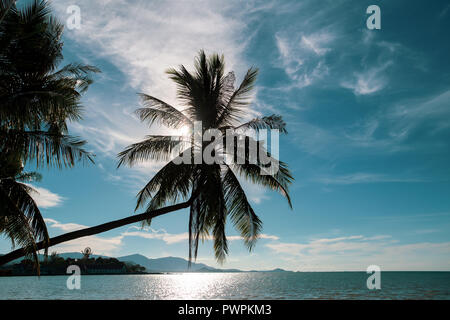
{"x": 274, "y": 270}
{"x": 277, "y": 270}
{"x": 171, "y": 264}
{"x": 166, "y": 264}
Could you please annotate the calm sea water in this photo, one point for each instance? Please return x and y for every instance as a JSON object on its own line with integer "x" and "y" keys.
{"x": 305, "y": 285}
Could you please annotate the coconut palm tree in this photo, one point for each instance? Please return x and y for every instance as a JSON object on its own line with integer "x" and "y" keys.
{"x": 36, "y": 102}
{"x": 214, "y": 190}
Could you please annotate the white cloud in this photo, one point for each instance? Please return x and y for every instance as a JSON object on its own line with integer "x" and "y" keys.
{"x": 66, "y": 227}
{"x": 352, "y": 253}
{"x": 143, "y": 39}
{"x": 44, "y": 198}
{"x": 316, "y": 42}
{"x": 302, "y": 58}
{"x": 368, "y": 81}
{"x": 169, "y": 238}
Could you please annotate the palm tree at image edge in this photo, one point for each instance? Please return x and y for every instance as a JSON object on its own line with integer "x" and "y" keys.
{"x": 36, "y": 101}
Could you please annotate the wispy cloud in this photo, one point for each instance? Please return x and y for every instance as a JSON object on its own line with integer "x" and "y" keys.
{"x": 301, "y": 56}
{"x": 317, "y": 42}
{"x": 444, "y": 12}
{"x": 115, "y": 29}
{"x": 368, "y": 81}
{"x": 358, "y": 252}
{"x": 410, "y": 116}
{"x": 66, "y": 227}
{"x": 44, "y": 198}
{"x": 169, "y": 238}
{"x": 362, "y": 177}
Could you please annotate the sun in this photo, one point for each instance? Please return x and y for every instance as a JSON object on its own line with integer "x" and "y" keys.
{"x": 184, "y": 131}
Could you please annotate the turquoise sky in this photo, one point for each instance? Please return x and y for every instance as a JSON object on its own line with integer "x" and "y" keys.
{"x": 368, "y": 115}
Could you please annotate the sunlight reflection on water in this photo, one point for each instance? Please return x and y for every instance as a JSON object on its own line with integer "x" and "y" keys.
{"x": 285, "y": 285}
{"x": 191, "y": 285}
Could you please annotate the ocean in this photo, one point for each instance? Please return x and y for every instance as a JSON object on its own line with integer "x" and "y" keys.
{"x": 246, "y": 285}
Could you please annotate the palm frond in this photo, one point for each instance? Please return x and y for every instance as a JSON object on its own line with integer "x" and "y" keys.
{"x": 163, "y": 181}
{"x": 239, "y": 100}
{"x": 52, "y": 149}
{"x": 254, "y": 170}
{"x": 16, "y": 225}
{"x": 29, "y": 176}
{"x": 168, "y": 184}
{"x": 208, "y": 212}
{"x": 217, "y": 213}
{"x": 189, "y": 91}
{"x": 279, "y": 182}
{"x": 269, "y": 122}
{"x": 241, "y": 212}
{"x": 156, "y": 110}
{"x": 19, "y": 196}
{"x": 5, "y": 7}
{"x": 158, "y": 148}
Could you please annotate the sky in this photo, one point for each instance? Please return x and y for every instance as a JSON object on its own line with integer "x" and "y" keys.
{"x": 367, "y": 111}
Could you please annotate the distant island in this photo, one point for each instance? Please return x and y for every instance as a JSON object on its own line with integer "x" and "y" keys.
{"x": 56, "y": 264}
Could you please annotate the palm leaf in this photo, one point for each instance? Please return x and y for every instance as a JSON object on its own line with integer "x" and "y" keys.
{"x": 5, "y": 7}
{"x": 152, "y": 148}
{"x": 269, "y": 122}
{"x": 241, "y": 212}
{"x": 156, "y": 110}
{"x": 257, "y": 172}
{"x": 19, "y": 196}
{"x": 16, "y": 225}
{"x": 53, "y": 149}
{"x": 239, "y": 100}
{"x": 163, "y": 183}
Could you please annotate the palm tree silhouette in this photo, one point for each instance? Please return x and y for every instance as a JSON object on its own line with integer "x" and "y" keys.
{"x": 214, "y": 190}
{"x": 36, "y": 102}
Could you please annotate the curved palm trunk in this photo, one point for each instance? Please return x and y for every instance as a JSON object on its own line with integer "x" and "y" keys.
{"x": 95, "y": 230}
